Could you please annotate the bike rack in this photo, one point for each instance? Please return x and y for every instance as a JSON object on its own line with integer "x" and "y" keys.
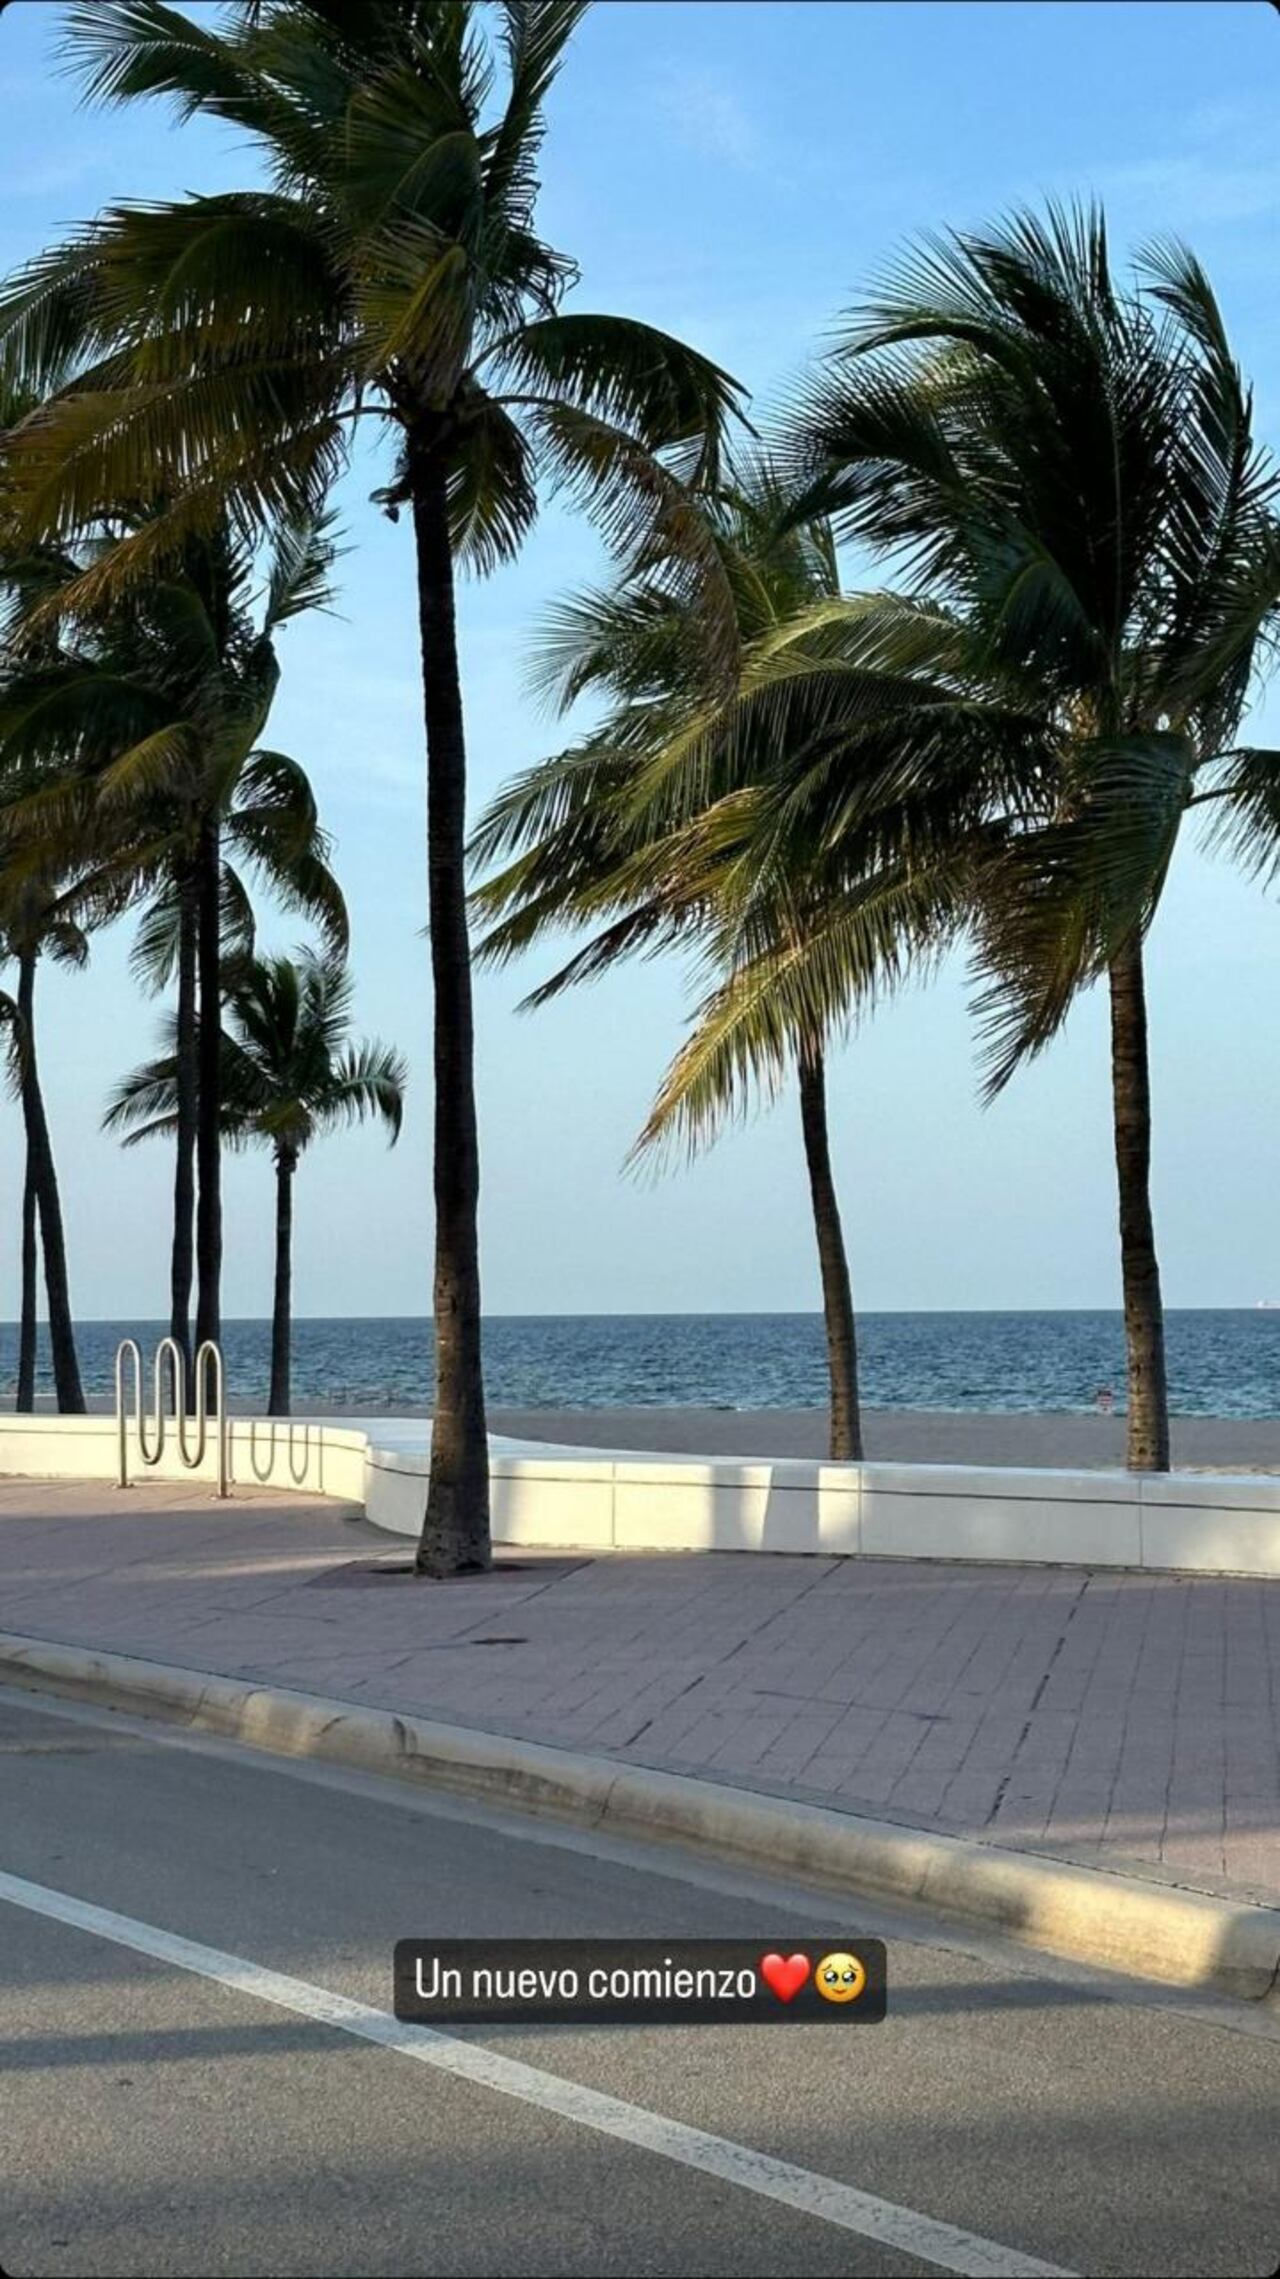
{"x": 169, "y": 1350}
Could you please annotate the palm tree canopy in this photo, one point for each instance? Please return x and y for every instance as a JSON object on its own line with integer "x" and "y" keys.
{"x": 673, "y": 824}
{"x": 37, "y": 920}
{"x": 129, "y": 729}
{"x": 1067, "y": 468}
{"x": 219, "y": 348}
{"x": 1065, "y": 478}
{"x": 289, "y": 1072}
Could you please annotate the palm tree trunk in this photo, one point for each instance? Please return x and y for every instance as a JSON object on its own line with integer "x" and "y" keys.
{"x": 1148, "y": 1439}
{"x": 455, "y": 1529}
{"x": 44, "y": 1177}
{"x": 182, "y": 1261}
{"x": 209, "y": 1102}
{"x": 26, "y": 1395}
{"x": 278, "y": 1399}
{"x": 845, "y": 1443}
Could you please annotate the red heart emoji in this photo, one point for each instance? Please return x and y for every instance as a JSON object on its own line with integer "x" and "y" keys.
{"x": 786, "y": 1974}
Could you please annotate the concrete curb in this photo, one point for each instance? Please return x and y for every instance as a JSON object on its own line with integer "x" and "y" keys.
{"x": 1120, "y": 1922}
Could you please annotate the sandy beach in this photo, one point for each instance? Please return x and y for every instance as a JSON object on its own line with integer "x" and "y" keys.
{"x": 903, "y": 1436}
{"x": 908, "y": 1436}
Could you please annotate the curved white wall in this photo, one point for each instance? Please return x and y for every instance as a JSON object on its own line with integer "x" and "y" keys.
{"x": 593, "y": 1499}
{"x": 620, "y": 1500}
{"x": 603, "y": 1500}
{"x": 327, "y": 1460}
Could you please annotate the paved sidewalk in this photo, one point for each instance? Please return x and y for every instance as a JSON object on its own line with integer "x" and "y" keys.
{"x": 1117, "y": 1719}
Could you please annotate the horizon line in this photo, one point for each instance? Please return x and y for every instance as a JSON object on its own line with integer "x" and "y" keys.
{"x": 675, "y": 1313}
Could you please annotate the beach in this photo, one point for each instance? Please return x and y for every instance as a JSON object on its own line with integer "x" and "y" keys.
{"x": 1038, "y": 1438}
{"x": 904, "y": 1436}
{"x": 898, "y": 1436}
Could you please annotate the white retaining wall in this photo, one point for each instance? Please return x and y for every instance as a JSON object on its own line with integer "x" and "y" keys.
{"x": 601, "y": 1499}
{"x": 328, "y": 1460}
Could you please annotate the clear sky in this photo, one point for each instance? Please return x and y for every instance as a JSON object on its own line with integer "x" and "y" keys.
{"x": 736, "y": 174}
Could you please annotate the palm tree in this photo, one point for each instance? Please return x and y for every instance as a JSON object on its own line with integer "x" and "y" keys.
{"x": 36, "y": 922}
{"x": 586, "y": 837}
{"x": 288, "y": 1075}
{"x": 226, "y": 798}
{"x": 1066, "y": 478}
{"x": 31, "y": 900}
{"x": 224, "y": 347}
{"x": 139, "y": 732}
{"x": 1064, "y": 472}
{"x": 45, "y": 904}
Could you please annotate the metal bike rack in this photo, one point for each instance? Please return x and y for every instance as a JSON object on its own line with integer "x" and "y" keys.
{"x": 208, "y": 1359}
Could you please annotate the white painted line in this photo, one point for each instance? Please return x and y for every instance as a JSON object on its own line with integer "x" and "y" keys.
{"x": 904, "y": 1924}
{"x": 902, "y": 2229}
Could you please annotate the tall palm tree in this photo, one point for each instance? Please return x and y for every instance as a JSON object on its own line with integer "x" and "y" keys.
{"x": 1064, "y": 472}
{"x": 48, "y": 895}
{"x": 585, "y": 837}
{"x": 288, "y": 1075}
{"x": 1065, "y": 478}
{"x": 31, "y": 900}
{"x": 392, "y": 269}
{"x": 36, "y": 922}
{"x": 222, "y": 798}
{"x": 138, "y": 731}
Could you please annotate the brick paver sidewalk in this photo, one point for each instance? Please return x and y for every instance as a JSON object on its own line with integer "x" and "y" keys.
{"x": 1116, "y": 1718}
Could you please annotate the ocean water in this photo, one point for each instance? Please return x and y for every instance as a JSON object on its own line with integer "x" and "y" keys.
{"x": 1220, "y": 1363}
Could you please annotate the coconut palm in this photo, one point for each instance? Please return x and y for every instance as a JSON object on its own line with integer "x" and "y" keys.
{"x": 392, "y": 268}
{"x": 45, "y": 906}
{"x": 36, "y": 922}
{"x": 288, "y": 1075}
{"x": 1064, "y": 473}
{"x": 1065, "y": 478}
{"x": 585, "y": 840}
{"x": 138, "y": 730}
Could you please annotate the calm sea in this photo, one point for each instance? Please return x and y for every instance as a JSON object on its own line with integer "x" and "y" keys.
{"x": 1220, "y": 1363}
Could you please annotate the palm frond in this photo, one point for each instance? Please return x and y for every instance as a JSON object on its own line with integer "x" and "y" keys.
{"x": 646, "y": 515}
{"x": 368, "y": 1080}
{"x": 535, "y": 34}
{"x": 629, "y": 376}
{"x": 300, "y": 576}
{"x": 493, "y": 500}
{"x": 746, "y": 1033}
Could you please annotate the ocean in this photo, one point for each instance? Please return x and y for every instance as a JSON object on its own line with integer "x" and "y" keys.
{"x": 1221, "y": 1363}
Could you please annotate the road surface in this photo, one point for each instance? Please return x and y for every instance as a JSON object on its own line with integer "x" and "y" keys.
{"x": 201, "y": 2074}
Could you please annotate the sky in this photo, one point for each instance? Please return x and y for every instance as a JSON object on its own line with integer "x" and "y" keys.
{"x": 738, "y": 174}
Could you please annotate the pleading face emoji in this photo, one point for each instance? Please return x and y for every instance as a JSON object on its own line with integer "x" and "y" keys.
{"x": 840, "y": 1978}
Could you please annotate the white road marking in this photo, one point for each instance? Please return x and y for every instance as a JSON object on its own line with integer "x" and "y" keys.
{"x": 810, "y": 2194}
{"x": 904, "y": 1923}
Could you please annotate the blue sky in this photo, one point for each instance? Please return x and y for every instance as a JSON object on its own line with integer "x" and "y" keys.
{"x": 736, "y": 174}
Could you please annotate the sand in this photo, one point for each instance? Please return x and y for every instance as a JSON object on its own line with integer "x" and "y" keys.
{"x": 907, "y": 1436}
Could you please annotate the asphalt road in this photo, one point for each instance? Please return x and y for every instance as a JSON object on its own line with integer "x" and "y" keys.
{"x": 163, "y": 2110}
